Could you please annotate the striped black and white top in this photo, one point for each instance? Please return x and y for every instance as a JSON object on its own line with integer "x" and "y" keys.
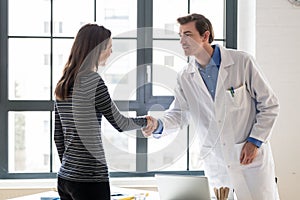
{"x": 77, "y": 132}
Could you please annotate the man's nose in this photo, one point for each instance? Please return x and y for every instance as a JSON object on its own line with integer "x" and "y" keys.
{"x": 182, "y": 40}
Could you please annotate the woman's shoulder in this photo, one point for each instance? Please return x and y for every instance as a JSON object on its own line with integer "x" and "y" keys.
{"x": 91, "y": 77}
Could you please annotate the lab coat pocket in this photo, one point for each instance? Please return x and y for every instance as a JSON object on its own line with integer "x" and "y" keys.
{"x": 237, "y": 96}
{"x": 258, "y": 160}
{"x": 237, "y": 151}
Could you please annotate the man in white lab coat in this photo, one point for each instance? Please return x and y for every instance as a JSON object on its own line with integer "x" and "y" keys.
{"x": 233, "y": 108}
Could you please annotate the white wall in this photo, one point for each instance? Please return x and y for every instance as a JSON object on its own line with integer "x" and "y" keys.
{"x": 277, "y": 50}
{"x": 246, "y": 26}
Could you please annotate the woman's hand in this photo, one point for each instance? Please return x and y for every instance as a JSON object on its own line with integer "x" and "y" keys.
{"x": 151, "y": 126}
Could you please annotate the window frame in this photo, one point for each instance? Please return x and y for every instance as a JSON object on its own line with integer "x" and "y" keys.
{"x": 144, "y": 99}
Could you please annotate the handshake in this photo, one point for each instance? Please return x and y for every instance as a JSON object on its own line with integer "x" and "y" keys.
{"x": 152, "y": 125}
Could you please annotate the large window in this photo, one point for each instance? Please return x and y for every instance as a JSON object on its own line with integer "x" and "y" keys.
{"x": 35, "y": 39}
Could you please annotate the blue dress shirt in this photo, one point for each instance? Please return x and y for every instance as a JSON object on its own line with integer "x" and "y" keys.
{"x": 209, "y": 73}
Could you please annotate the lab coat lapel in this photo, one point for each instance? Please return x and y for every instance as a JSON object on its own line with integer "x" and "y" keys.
{"x": 226, "y": 62}
{"x": 220, "y": 102}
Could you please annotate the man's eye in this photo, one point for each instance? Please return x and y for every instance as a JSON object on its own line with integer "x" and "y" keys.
{"x": 185, "y": 35}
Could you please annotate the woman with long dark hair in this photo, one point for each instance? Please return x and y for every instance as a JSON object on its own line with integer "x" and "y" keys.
{"x": 82, "y": 99}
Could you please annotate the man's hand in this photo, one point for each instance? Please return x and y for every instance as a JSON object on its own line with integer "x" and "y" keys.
{"x": 151, "y": 126}
{"x": 248, "y": 153}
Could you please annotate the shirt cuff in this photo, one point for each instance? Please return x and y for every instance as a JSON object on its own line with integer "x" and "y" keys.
{"x": 254, "y": 141}
{"x": 158, "y": 131}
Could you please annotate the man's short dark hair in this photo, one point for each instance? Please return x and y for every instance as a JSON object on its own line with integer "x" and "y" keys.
{"x": 202, "y": 24}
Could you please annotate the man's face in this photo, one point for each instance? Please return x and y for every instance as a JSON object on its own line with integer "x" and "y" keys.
{"x": 190, "y": 39}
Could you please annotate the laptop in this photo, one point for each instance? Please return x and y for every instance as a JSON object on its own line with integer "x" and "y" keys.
{"x": 182, "y": 187}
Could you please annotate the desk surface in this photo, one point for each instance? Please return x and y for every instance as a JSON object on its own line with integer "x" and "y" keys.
{"x": 114, "y": 190}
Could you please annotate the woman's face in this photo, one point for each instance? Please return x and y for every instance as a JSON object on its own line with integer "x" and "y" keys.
{"x": 105, "y": 53}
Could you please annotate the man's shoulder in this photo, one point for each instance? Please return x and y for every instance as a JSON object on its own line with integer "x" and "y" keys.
{"x": 236, "y": 52}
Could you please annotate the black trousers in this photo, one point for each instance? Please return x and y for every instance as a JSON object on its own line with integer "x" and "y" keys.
{"x": 71, "y": 190}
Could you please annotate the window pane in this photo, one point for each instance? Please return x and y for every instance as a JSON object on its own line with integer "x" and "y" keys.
{"x": 168, "y": 152}
{"x": 168, "y": 59}
{"x": 120, "y": 148}
{"x": 55, "y": 158}
{"x": 70, "y": 15}
{"x": 214, "y": 11}
{"x": 168, "y": 21}
{"x": 30, "y": 17}
{"x": 29, "y": 142}
{"x": 222, "y": 43}
{"x": 117, "y": 15}
{"x": 61, "y": 52}
{"x": 120, "y": 70}
{"x": 29, "y": 71}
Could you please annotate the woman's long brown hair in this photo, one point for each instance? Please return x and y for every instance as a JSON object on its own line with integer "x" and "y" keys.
{"x": 90, "y": 40}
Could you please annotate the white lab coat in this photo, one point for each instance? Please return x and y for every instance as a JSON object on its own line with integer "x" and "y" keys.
{"x": 224, "y": 124}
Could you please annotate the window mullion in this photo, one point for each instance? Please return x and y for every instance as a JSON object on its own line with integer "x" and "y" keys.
{"x": 4, "y": 86}
{"x": 144, "y": 58}
{"x": 231, "y": 23}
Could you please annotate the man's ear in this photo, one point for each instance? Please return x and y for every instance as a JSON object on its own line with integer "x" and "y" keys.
{"x": 206, "y": 35}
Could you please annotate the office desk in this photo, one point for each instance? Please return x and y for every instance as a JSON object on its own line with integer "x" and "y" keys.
{"x": 114, "y": 190}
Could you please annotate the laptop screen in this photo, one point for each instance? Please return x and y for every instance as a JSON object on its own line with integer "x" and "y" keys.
{"x": 182, "y": 187}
